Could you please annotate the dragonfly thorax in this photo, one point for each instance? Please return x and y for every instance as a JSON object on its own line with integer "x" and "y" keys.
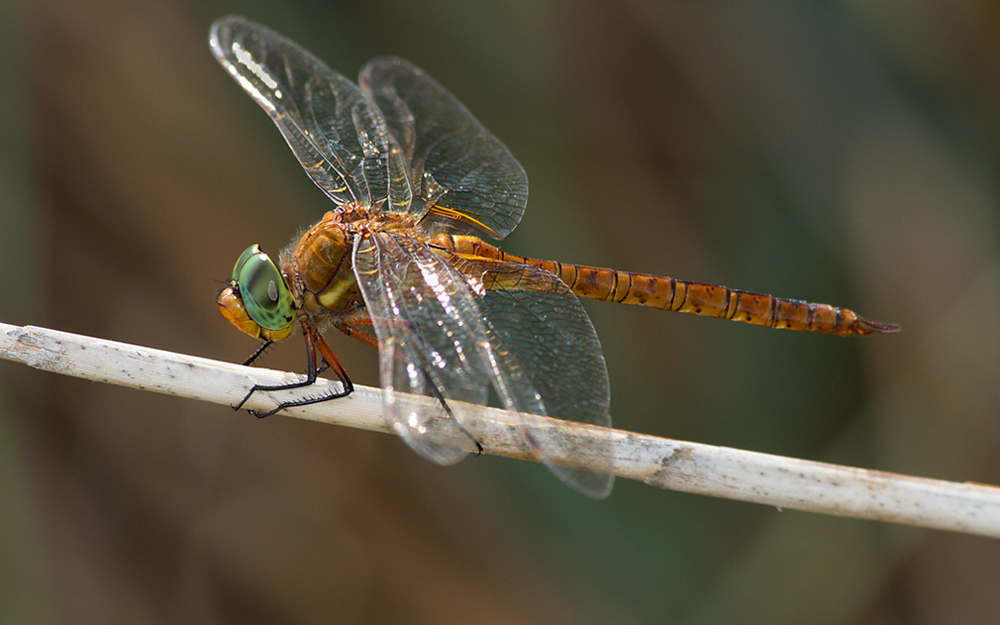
{"x": 320, "y": 270}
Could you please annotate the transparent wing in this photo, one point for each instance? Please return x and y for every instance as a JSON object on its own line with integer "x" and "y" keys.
{"x": 440, "y": 337}
{"x": 544, "y": 324}
{"x": 452, "y": 161}
{"x": 430, "y": 337}
{"x": 339, "y": 140}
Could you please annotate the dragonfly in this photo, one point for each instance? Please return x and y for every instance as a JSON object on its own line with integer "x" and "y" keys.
{"x": 401, "y": 263}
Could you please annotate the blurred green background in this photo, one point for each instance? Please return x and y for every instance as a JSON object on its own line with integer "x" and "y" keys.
{"x": 838, "y": 152}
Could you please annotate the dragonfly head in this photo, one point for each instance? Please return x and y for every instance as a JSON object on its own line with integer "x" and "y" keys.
{"x": 257, "y": 300}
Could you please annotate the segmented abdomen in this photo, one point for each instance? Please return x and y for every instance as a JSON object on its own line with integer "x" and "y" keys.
{"x": 682, "y": 296}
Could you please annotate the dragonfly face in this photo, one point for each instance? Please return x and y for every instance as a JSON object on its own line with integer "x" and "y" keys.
{"x": 257, "y": 300}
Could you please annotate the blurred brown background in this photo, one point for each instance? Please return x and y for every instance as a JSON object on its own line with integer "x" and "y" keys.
{"x": 838, "y": 152}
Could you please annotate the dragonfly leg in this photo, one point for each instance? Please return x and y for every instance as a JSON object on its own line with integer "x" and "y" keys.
{"x": 352, "y": 330}
{"x": 436, "y": 392}
{"x": 313, "y": 342}
{"x": 260, "y": 350}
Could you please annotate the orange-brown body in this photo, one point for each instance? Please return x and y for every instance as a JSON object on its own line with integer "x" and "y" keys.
{"x": 689, "y": 297}
{"x": 320, "y": 276}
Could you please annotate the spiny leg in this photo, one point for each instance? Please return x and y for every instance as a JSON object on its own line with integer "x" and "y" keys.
{"x": 436, "y": 393}
{"x": 444, "y": 406}
{"x": 352, "y": 330}
{"x": 263, "y": 348}
{"x": 313, "y": 341}
{"x": 260, "y": 350}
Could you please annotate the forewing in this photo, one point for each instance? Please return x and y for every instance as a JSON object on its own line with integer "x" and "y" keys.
{"x": 430, "y": 336}
{"x": 543, "y": 324}
{"x": 340, "y": 141}
{"x": 452, "y": 161}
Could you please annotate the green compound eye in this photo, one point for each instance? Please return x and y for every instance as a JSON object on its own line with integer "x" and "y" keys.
{"x": 263, "y": 290}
